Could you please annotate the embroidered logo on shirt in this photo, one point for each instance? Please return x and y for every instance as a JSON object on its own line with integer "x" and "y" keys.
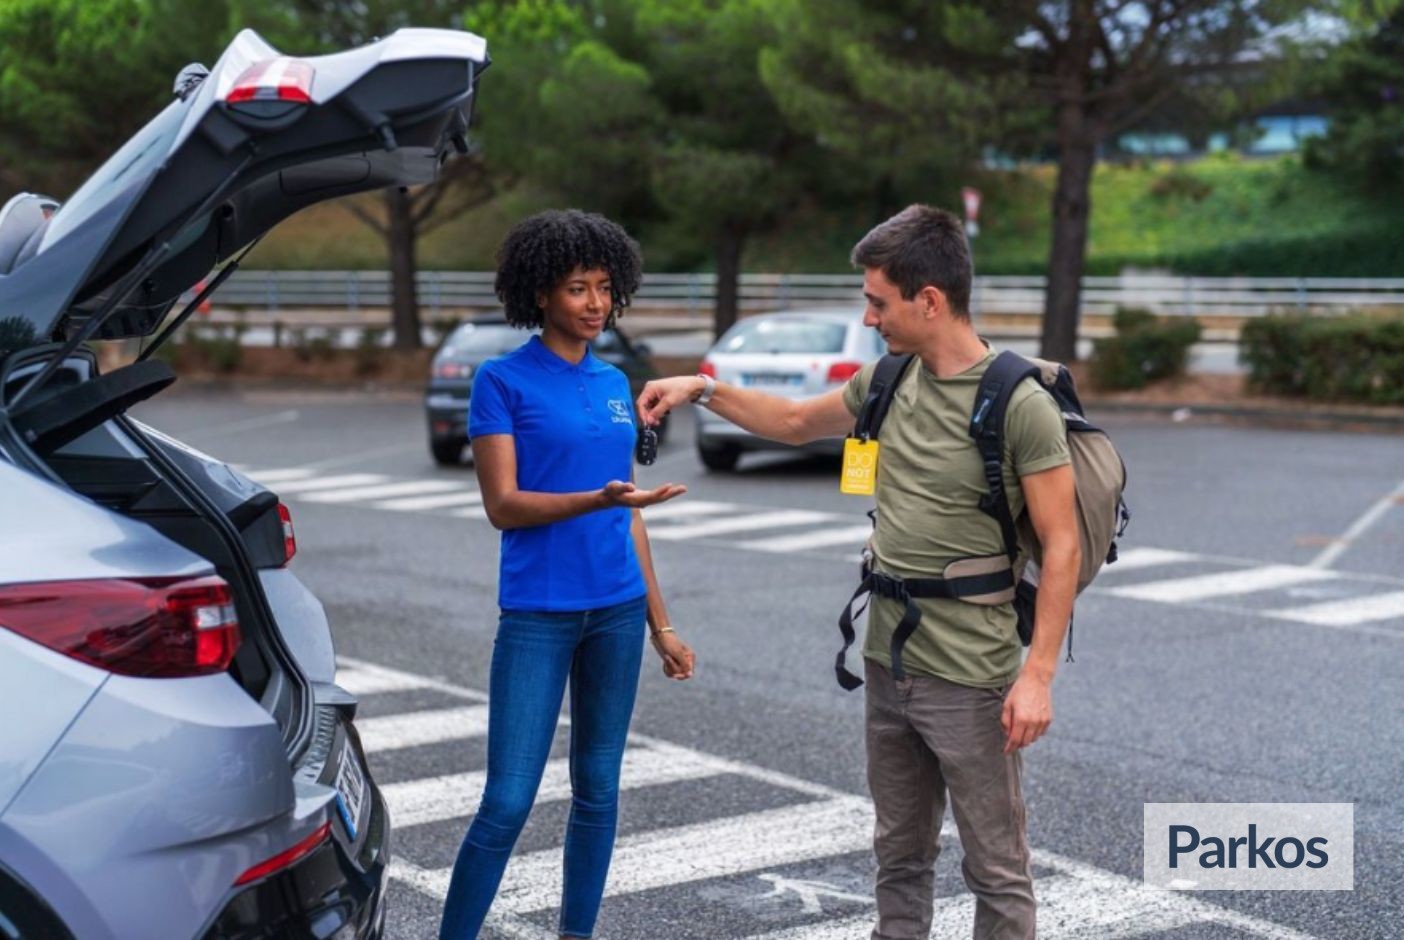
{"x": 619, "y": 411}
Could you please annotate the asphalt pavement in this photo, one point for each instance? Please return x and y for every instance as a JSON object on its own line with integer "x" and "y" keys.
{"x": 1240, "y": 651}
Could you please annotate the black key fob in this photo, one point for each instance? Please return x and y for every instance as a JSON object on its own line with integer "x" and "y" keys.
{"x": 646, "y": 450}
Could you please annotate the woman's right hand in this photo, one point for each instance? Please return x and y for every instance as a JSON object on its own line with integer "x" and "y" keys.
{"x": 620, "y": 493}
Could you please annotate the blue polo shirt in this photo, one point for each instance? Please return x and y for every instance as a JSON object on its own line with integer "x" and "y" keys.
{"x": 573, "y": 427}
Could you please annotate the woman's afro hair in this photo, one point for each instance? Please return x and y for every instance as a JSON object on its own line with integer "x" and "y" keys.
{"x": 541, "y": 251}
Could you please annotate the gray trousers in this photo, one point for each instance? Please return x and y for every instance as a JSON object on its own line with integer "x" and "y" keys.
{"x": 927, "y": 737}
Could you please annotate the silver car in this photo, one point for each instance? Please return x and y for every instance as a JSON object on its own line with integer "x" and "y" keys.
{"x": 176, "y": 758}
{"x": 796, "y": 354}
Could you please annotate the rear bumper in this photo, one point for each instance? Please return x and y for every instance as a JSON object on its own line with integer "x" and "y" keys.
{"x": 326, "y": 894}
{"x": 447, "y": 414}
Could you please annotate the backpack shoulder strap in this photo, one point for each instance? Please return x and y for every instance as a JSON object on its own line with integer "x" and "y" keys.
{"x": 987, "y": 428}
{"x": 887, "y": 375}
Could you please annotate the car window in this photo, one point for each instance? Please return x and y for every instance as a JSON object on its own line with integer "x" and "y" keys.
{"x": 137, "y": 158}
{"x": 784, "y": 336}
{"x": 485, "y": 340}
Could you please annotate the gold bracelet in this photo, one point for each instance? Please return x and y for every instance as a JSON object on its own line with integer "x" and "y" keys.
{"x": 655, "y": 634}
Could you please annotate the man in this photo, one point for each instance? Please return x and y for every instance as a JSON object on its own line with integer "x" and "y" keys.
{"x": 955, "y": 722}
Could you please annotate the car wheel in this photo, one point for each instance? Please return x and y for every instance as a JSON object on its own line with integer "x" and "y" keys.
{"x": 719, "y": 457}
{"x": 446, "y": 450}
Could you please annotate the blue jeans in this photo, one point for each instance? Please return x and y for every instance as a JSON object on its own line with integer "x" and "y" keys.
{"x": 536, "y": 651}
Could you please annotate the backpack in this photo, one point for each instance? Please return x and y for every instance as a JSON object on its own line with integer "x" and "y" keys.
{"x": 1102, "y": 514}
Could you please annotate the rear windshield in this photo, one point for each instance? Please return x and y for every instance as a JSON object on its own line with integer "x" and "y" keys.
{"x": 492, "y": 340}
{"x": 138, "y": 158}
{"x": 784, "y": 336}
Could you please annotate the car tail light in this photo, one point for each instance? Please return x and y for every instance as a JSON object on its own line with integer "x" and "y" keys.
{"x": 289, "y": 538}
{"x": 453, "y": 370}
{"x": 283, "y": 859}
{"x": 280, "y": 79}
{"x": 843, "y": 371}
{"x": 149, "y": 627}
{"x": 707, "y": 368}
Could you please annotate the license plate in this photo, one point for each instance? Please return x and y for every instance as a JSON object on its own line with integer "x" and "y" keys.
{"x": 771, "y": 379}
{"x": 350, "y": 791}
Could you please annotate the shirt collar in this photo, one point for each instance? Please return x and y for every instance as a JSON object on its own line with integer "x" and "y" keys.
{"x": 554, "y": 363}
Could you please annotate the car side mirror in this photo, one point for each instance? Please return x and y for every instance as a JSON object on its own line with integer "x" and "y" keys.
{"x": 189, "y": 79}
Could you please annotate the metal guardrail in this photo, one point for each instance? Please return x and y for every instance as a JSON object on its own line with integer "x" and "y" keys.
{"x": 452, "y": 292}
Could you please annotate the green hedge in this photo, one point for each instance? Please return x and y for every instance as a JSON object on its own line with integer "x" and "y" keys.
{"x": 1145, "y": 349}
{"x": 1350, "y": 358}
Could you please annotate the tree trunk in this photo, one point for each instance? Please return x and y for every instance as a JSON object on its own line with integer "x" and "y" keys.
{"x": 400, "y": 239}
{"x": 1072, "y": 207}
{"x": 730, "y": 240}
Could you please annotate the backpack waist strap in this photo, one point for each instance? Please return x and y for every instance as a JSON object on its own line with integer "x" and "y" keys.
{"x": 907, "y": 591}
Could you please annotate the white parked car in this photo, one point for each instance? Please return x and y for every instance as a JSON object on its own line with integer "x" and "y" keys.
{"x": 797, "y": 354}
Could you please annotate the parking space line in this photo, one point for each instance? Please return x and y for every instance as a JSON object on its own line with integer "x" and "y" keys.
{"x": 1145, "y": 557}
{"x": 364, "y": 682}
{"x": 746, "y": 523}
{"x": 330, "y": 483}
{"x": 1347, "y": 612}
{"x": 413, "y": 729}
{"x": 385, "y": 491}
{"x": 450, "y": 796}
{"x": 436, "y": 501}
{"x": 821, "y": 538}
{"x": 286, "y": 475}
{"x": 1221, "y": 584}
{"x": 680, "y": 508}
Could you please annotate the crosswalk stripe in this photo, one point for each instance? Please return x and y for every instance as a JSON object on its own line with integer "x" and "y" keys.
{"x": 727, "y": 846}
{"x": 746, "y": 523}
{"x": 469, "y": 512}
{"x": 680, "y": 508}
{"x": 329, "y": 483}
{"x": 1141, "y": 557}
{"x": 267, "y": 477}
{"x": 426, "y": 727}
{"x": 385, "y": 490}
{"x": 433, "y": 501}
{"x": 821, "y": 538}
{"x": 450, "y": 796}
{"x": 1344, "y": 613}
{"x": 365, "y": 682}
{"x": 1203, "y": 587}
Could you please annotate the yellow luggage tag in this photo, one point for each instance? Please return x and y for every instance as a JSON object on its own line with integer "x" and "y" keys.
{"x": 860, "y": 459}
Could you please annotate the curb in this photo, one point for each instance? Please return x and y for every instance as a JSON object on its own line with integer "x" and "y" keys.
{"x": 1343, "y": 419}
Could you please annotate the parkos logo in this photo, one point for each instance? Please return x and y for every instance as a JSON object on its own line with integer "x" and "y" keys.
{"x": 1250, "y": 846}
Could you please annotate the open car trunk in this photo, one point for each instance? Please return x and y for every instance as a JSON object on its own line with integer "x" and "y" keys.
{"x": 235, "y": 154}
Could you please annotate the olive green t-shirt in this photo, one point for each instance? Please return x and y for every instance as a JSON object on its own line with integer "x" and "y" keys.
{"x": 929, "y": 483}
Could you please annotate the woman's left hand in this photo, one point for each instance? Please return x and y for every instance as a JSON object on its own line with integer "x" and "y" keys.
{"x": 677, "y": 656}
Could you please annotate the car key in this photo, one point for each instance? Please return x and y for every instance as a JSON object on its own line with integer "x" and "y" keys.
{"x": 646, "y": 451}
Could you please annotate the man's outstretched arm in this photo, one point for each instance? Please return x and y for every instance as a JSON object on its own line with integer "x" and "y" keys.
{"x": 787, "y": 420}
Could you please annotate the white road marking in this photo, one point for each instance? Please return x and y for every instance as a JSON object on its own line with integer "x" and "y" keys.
{"x": 1347, "y": 612}
{"x": 470, "y": 512}
{"x": 1221, "y": 584}
{"x": 385, "y": 491}
{"x": 433, "y": 799}
{"x": 287, "y": 475}
{"x": 724, "y": 847}
{"x": 820, "y": 538}
{"x": 413, "y": 729}
{"x": 437, "y": 501}
{"x": 364, "y": 682}
{"x": 1372, "y": 515}
{"x": 1141, "y": 557}
{"x": 330, "y": 483}
{"x": 1079, "y": 902}
{"x": 746, "y": 523}
{"x": 680, "y": 508}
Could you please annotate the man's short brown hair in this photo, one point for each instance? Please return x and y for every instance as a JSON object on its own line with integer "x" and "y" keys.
{"x": 918, "y": 247}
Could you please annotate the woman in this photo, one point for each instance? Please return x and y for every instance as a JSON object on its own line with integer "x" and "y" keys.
{"x": 553, "y": 435}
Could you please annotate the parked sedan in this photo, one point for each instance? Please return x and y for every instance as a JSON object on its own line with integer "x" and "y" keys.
{"x": 178, "y": 760}
{"x": 475, "y": 342}
{"x": 796, "y": 354}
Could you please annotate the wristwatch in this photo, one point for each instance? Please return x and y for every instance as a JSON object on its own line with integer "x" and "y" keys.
{"x": 709, "y": 388}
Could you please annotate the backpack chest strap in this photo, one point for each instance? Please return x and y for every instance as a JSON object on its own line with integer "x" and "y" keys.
{"x": 907, "y": 591}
